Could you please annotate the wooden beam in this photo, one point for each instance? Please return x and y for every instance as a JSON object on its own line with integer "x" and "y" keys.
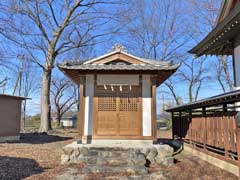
{"x": 173, "y": 125}
{"x": 81, "y": 106}
{"x": 238, "y": 149}
{"x": 190, "y": 125}
{"x": 205, "y": 128}
{"x": 154, "y": 114}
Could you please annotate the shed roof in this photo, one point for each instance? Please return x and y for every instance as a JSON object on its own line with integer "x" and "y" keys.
{"x": 220, "y": 41}
{"x": 230, "y": 97}
{"x": 14, "y": 97}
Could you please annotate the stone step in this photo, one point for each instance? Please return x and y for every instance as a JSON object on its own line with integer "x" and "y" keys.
{"x": 138, "y": 159}
{"x": 161, "y": 154}
{"x": 129, "y": 170}
{"x": 109, "y": 154}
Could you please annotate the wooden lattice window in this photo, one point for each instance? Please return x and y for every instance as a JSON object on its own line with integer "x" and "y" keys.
{"x": 128, "y": 103}
{"x": 107, "y": 103}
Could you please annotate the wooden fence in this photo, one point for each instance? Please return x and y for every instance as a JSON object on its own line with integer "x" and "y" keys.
{"x": 210, "y": 126}
{"x": 215, "y": 134}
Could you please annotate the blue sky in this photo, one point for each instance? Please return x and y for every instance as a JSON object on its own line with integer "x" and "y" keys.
{"x": 184, "y": 22}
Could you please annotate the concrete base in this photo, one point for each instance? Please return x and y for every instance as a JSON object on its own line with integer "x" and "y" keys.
{"x": 212, "y": 160}
{"x": 9, "y": 138}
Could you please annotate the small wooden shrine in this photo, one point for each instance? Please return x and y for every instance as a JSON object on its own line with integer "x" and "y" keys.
{"x": 118, "y": 95}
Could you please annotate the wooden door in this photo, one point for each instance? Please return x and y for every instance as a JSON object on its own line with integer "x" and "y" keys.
{"x": 117, "y": 112}
{"x": 129, "y": 113}
{"x": 106, "y": 116}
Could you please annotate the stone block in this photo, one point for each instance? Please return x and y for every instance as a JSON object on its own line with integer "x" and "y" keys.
{"x": 84, "y": 150}
{"x": 168, "y": 161}
{"x": 164, "y": 150}
{"x": 151, "y": 155}
{"x": 65, "y": 159}
{"x": 76, "y": 152}
{"x": 67, "y": 150}
{"x": 145, "y": 151}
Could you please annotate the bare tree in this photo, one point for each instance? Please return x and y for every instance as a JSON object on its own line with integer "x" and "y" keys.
{"x": 171, "y": 86}
{"x": 162, "y": 32}
{"x": 204, "y": 14}
{"x": 65, "y": 96}
{"x": 3, "y": 82}
{"x": 194, "y": 73}
{"x": 26, "y": 82}
{"x": 154, "y": 30}
{"x": 49, "y": 29}
{"x": 223, "y": 76}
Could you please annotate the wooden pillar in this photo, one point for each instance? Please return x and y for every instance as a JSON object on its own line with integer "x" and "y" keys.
{"x": 81, "y": 107}
{"x": 238, "y": 142}
{"x": 237, "y": 124}
{"x": 226, "y": 130}
{"x": 238, "y": 149}
{"x": 154, "y": 114}
{"x": 180, "y": 124}
{"x": 190, "y": 125}
{"x": 173, "y": 125}
{"x": 205, "y": 128}
{"x": 236, "y": 67}
{"x": 236, "y": 72}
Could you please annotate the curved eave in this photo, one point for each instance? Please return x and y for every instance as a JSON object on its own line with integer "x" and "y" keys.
{"x": 219, "y": 41}
{"x": 162, "y": 74}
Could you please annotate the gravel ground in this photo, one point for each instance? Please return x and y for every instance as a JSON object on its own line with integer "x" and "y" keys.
{"x": 37, "y": 157}
{"x": 35, "y": 153}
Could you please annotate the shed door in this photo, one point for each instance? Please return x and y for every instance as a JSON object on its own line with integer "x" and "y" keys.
{"x": 117, "y": 111}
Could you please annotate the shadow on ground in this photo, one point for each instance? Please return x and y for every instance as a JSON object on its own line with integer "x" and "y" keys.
{"x": 13, "y": 168}
{"x": 41, "y": 138}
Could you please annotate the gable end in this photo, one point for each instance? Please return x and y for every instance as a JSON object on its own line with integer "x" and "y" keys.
{"x": 118, "y": 57}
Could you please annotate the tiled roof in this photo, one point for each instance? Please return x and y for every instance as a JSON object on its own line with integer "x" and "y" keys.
{"x": 229, "y": 97}
{"x": 142, "y": 65}
{"x": 118, "y": 67}
{"x": 219, "y": 40}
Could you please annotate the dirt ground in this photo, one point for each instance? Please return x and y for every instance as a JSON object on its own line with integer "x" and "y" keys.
{"x": 34, "y": 154}
{"x": 37, "y": 157}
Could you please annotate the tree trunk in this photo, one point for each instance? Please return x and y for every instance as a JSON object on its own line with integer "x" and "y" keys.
{"x": 190, "y": 93}
{"x": 224, "y": 63}
{"x": 45, "y": 102}
{"x": 58, "y": 119}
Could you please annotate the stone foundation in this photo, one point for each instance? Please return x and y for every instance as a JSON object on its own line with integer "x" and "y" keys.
{"x": 127, "y": 159}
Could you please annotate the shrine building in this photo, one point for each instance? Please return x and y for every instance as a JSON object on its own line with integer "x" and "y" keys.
{"x": 117, "y": 98}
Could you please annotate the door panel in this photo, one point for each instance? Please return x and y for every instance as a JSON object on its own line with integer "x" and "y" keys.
{"x": 129, "y": 114}
{"x": 118, "y": 111}
{"x": 106, "y": 115}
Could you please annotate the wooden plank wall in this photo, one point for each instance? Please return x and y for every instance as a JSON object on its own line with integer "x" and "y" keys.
{"x": 215, "y": 134}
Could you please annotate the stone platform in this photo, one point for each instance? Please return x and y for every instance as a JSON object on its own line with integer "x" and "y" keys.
{"x": 117, "y": 158}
